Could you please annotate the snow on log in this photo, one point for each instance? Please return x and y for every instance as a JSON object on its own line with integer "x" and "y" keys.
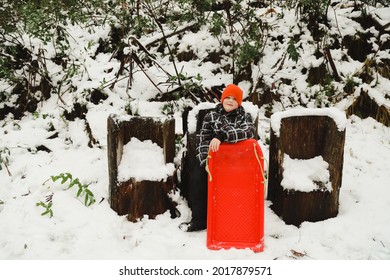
{"x": 306, "y": 159}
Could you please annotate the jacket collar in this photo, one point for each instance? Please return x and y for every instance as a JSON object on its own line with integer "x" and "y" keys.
{"x": 219, "y": 108}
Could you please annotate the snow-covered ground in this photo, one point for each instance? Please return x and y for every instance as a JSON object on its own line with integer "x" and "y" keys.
{"x": 360, "y": 231}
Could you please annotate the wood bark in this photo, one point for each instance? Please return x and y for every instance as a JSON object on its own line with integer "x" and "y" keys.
{"x": 139, "y": 198}
{"x": 305, "y": 137}
{"x": 189, "y": 158}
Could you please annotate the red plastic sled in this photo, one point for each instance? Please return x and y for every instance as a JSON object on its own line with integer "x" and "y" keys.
{"x": 235, "y": 215}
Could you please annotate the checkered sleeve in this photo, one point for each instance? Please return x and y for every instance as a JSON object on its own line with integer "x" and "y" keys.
{"x": 205, "y": 136}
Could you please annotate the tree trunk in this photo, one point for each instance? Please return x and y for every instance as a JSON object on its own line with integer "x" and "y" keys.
{"x": 139, "y": 198}
{"x": 305, "y": 137}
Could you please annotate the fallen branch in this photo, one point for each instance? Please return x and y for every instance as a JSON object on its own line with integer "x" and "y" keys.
{"x": 329, "y": 58}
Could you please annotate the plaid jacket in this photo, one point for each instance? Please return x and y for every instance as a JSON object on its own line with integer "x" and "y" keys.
{"x": 229, "y": 127}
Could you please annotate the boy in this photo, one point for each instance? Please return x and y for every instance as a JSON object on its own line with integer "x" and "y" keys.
{"x": 228, "y": 122}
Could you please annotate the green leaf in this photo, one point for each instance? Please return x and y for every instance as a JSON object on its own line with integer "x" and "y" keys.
{"x": 74, "y": 182}
{"x": 55, "y": 178}
{"x": 47, "y": 207}
{"x": 79, "y": 192}
{"x": 88, "y": 192}
{"x": 46, "y": 212}
{"x": 66, "y": 177}
{"x": 292, "y": 51}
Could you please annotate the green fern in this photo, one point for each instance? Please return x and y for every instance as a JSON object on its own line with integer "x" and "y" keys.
{"x": 83, "y": 190}
{"x": 47, "y": 207}
{"x": 89, "y": 197}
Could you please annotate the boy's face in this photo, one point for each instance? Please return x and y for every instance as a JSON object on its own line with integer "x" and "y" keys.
{"x": 230, "y": 103}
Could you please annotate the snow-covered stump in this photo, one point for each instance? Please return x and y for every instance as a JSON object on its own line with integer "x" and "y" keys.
{"x": 371, "y": 104}
{"x": 137, "y": 186}
{"x": 306, "y": 159}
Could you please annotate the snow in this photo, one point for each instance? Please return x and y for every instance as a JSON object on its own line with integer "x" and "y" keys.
{"x": 305, "y": 174}
{"x": 194, "y": 112}
{"x": 361, "y": 230}
{"x": 382, "y": 15}
{"x": 136, "y": 162}
{"x": 97, "y": 232}
{"x": 336, "y": 114}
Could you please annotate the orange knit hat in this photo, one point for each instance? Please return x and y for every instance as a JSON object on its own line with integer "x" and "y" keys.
{"x": 232, "y": 90}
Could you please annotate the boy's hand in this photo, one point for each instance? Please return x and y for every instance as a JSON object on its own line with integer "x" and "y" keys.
{"x": 214, "y": 144}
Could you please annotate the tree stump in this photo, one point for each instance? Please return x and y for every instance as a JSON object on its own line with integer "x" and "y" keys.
{"x": 305, "y": 134}
{"x": 366, "y": 106}
{"x": 132, "y": 197}
{"x": 188, "y": 160}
